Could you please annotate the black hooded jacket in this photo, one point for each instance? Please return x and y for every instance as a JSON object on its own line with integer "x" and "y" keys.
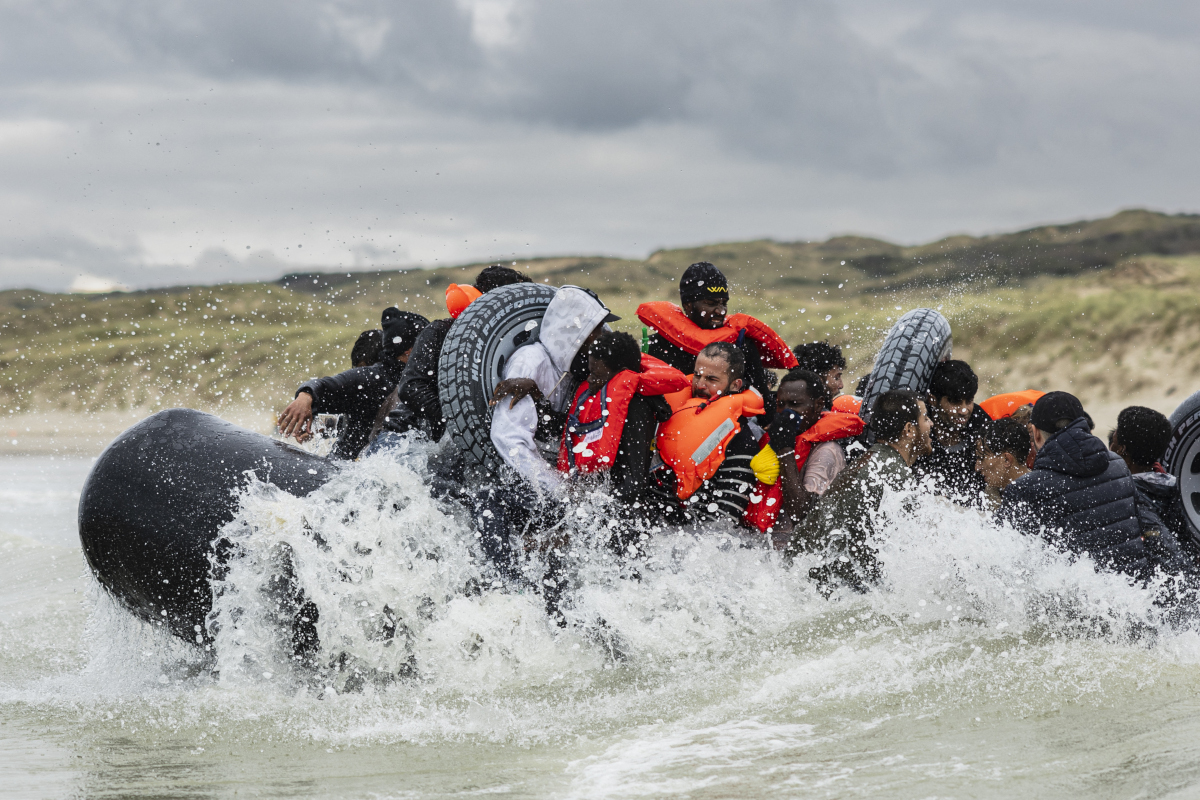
{"x": 356, "y": 394}
{"x": 415, "y": 403}
{"x": 1081, "y": 497}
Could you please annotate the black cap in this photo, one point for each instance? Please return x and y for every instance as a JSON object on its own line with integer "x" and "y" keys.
{"x": 701, "y": 280}
{"x": 1053, "y": 406}
{"x": 400, "y": 330}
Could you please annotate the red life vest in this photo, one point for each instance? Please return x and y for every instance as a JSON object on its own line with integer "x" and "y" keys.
{"x": 593, "y": 431}
{"x": 693, "y": 441}
{"x": 847, "y": 403}
{"x": 672, "y": 324}
{"x": 1003, "y": 405}
{"x": 765, "y": 501}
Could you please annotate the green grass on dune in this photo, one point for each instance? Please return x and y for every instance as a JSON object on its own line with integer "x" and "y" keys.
{"x": 1126, "y": 310}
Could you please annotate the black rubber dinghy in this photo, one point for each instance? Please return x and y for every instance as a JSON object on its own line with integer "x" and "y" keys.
{"x": 911, "y": 351}
{"x": 155, "y": 501}
{"x": 476, "y": 350}
{"x": 1182, "y": 458}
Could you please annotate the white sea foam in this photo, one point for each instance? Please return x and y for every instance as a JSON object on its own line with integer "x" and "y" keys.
{"x": 703, "y": 663}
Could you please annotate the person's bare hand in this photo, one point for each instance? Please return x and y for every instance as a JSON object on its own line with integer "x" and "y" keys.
{"x": 296, "y": 419}
{"x": 516, "y": 388}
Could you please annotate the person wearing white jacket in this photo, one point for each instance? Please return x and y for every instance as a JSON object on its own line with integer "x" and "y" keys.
{"x": 573, "y": 320}
{"x": 541, "y": 369}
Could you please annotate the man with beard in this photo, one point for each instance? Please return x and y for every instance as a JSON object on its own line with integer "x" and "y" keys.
{"x": 707, "y": 445}
{"x": 842, "y": 522}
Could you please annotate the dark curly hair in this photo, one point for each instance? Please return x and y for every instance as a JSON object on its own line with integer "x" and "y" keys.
{"x": 731, "y": 354}
{"x": 954, "y": 380}
{"x": 495, "y": 276}
{"x": 618, "y": 351}
{"x": 815, "y": 383}
{"x": 1008, "y": 435}
{"x": 1144, "y": 434}
{"x": 820, "y": 357}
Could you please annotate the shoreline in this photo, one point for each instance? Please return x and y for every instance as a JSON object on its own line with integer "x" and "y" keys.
{"x": 85, "y": 434}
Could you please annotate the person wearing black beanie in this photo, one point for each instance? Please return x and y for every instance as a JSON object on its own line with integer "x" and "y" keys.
{"x": 678, "y": 334}
{"x": 400, "y": 331}
{"x": 357, "y": 393}
{"x": 704, "y": 292}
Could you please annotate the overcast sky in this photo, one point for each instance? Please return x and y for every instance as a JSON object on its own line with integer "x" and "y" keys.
{"x": 165, "y": 142}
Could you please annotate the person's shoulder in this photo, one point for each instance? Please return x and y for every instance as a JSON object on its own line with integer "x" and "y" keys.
{"x": 439, "y": 327}
{"x": 1116, "y": 471}
{"x": 370, "y": 373}
{"x": 884, "y": 455}
{"x": 1156, "y": 482}
{"x": 833, "y": 446}
{"x": 1032, "y": 483}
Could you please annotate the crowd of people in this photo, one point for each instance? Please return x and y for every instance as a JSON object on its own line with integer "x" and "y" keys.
{"x": 699, "y": 428}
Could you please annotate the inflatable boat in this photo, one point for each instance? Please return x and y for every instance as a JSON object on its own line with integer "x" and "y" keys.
{"x": 152, "y": 509}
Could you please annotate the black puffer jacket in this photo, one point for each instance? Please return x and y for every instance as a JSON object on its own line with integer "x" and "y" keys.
{"x": 1161, "y": 491}
{"x": 415, "y": 403}
{"x": 1081, "y": 497}
{"x": 356, "y": 394}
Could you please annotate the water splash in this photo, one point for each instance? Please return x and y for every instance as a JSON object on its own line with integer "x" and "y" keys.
{"x": 703, "y": 629}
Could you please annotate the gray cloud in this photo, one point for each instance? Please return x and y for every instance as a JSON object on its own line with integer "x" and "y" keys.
{"x": 54, "y": 261}
{"x": 140, "y": 141}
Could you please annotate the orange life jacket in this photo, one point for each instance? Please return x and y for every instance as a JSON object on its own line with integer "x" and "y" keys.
{"x": 672, "y": 324}
{"x": 593, "y": 431}
{"x": 459, "y": 297}
{"x": 1003, "y": 405}
{"x": 847, "y": 404}
{"x": 693, "y": 441}
{"x": 766, "y": 500}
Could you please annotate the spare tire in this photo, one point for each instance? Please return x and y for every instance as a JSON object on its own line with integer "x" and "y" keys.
{"x": 1182, "y": 459}
{"x": 477, "y": 348}
{"x": 911, "y": 351}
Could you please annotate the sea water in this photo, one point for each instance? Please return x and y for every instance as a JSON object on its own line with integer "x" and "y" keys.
{"x": 700, "y": 666}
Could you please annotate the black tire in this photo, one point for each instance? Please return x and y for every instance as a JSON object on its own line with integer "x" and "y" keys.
{"x": 477, "y": 347}
{"x": 1189, "y": 406}
{"x": 153, "y": 506}
{"x": 911, "y": 351}
{"x": 1182, "y": 459}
